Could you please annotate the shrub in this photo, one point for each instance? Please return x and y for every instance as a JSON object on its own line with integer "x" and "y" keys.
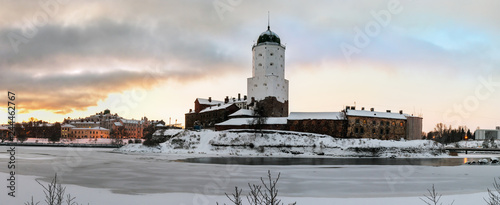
{"x": 265, "y": 194}
{"x": 54, "y": 194}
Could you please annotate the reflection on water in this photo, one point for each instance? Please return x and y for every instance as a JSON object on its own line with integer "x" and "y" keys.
{"x": 329, "y": 161}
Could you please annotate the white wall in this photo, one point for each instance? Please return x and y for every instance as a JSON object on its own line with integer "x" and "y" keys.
{"x": 268, "y": 73}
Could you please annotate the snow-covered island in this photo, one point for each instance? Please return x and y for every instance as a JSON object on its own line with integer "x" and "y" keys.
{"x": 285, "y": 144}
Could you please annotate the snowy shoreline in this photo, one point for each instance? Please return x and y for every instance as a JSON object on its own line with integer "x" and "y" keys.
{"x": 286, "y": 144}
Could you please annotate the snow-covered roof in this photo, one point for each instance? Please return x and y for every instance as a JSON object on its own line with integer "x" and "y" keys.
{"x": 46, "y": 125}
{"x": 222, "y": 106}
{"x": 247, "y": 121}
{"x": 67, "y": 125}
{"x": 242, "y": 112}
{"x": 367, "y": 113}
{"x": 315, "y": 116}
{"x": 118, "y": 124}
{"x": 130, "y": 121}
{"x": 94, "y": 128}
{"x": 204, "y": 101}
{"x": 84, "y": 122}
{"x": 4, "y": 128}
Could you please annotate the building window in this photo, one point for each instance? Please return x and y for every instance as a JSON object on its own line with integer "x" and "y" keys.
{"x": 364, "y": 122}
{"x": 374, "y": 122}
{"x": 356, "y": 130}
{"x": 357, "y": 121}
{"x": 387, "y": 131}
{"x": 255, "y": 85}
{"x": 393, "y": 123}
{"x": 362, "y": 130}
{"x": 373, "y": 131}
{"x": 401, "y": 124}
{"x": 381, "y": 131}
{"x": 271, "y": 64}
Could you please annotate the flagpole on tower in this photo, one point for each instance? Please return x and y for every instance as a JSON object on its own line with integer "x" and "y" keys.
{"x": 268, "y": 21}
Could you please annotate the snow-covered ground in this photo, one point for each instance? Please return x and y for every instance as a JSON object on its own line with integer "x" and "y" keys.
{"x": 471, "y": 144}
{"x": 272, "y": 143}
{"x": 28, "y": 187}
{"x": 100, "y": 176}
{"x": 75, "y": 141}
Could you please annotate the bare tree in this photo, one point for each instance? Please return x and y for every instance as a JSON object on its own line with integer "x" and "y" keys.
{"x": 433, "y": 197}
{"x": 54, "y": 194}
{"x": 259, "y": 118}
{"x": 494, "y": 198}
{"x": 265, "y": 194}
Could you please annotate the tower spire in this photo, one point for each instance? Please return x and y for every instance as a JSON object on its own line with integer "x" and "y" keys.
{"x": 268, "y": 21}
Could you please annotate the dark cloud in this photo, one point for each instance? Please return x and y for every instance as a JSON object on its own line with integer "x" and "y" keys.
{"x": 90, "y": 49}
{"x": 64, "y": 93}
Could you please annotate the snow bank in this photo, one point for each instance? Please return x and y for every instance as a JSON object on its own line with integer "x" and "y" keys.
{"x": 285, "y": 143}
{"x": 471, "y": 144}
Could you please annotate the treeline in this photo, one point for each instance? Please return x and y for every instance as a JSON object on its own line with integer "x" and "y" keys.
{"x": 37, "y": 129}
{"x": 446, "y": 134}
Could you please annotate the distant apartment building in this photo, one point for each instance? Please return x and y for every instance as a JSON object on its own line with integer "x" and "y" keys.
{"x": 90, "y": 133}
{"x": 487, "y": 134}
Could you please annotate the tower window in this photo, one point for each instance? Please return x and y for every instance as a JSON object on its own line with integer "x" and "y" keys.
{"x": 272, "y": 54}
{"x": 260, "y": 64}
{"x": 281, "y": 56}
{"x": 260, "y": 54}
{"x": 255, "y": 85}
{"x": 265, "y": 84}
{"x": 271, "y": 64}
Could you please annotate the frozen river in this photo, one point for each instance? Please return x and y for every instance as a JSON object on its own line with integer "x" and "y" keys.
{"x": 98, "y": 175}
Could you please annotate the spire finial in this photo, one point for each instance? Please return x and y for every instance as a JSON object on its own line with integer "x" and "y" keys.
{"x": 268, "y": 21}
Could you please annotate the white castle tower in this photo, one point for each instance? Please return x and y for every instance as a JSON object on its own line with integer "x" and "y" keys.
{"x": 268, "y": 85}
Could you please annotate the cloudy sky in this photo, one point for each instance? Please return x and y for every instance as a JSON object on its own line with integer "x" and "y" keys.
{"x": 68, "y": 58}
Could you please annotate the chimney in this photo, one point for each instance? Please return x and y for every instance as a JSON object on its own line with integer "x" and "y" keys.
{"x": 245, "y": 97}
{"x": 239, "y": 97}
{"x": 401, "y": 112}
{"x": 226, "y": 100}
{"x": 234, "y": 99}
{"x": 372, "y": 109}
{"x": 253, "y": 100}
{"x": 498, "y": 127}
{"x": 362, "y": 108}
{"x": 353, "y": 107}
{"x": 209, "y": 99}
{"x": 347, "y": 107}
{"x": 389, "y": 111}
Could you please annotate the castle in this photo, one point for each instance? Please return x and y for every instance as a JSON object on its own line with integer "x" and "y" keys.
{"x": 268, "y": 96}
